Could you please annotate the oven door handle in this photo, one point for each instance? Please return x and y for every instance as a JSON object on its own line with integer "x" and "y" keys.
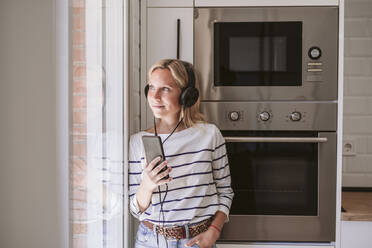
{"x": 278, "y": 139}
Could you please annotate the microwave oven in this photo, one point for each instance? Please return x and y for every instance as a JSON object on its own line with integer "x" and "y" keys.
{"x": 267, "y": 53}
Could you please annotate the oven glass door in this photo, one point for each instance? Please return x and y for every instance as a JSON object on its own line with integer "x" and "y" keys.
{"x": 258, "y": 53}
{"x": 284, "y": 186}
{"x": 275, "y": 178}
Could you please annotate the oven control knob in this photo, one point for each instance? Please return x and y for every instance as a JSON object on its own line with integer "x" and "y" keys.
{"x": 264, "y": 116}
{"x": 234, "y": 115}
{"x": 295, "y": 116}
{"x": 315, "y": 52}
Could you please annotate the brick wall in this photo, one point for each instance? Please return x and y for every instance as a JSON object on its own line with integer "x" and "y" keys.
{"x": 357, "y": 164}
{"x": 78, "y": 163}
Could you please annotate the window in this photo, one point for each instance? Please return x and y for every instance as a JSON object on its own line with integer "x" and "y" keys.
{"x": 96, "y": 129}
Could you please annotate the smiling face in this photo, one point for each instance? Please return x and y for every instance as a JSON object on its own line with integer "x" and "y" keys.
{"x": 163, "y": 95}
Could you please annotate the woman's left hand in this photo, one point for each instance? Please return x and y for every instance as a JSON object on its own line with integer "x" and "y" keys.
{"x": 205, "y": 239}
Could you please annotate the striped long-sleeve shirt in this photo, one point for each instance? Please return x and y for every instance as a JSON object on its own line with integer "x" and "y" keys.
{"x": 201, "y": 183}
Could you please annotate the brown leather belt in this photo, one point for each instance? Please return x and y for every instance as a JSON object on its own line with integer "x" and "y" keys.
{"x": 179, "y": 232}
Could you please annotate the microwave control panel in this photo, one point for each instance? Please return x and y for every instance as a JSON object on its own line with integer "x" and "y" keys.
{"x": 314, "y": 65}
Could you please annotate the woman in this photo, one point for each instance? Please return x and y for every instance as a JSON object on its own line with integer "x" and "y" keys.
{"x": 191, "y": 206}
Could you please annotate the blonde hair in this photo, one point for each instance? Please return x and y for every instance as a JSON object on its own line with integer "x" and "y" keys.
{"x": 191, "y": 115}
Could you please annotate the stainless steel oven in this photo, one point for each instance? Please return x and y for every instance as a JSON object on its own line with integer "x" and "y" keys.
{"x": 272, "y": 53}
{"x": 282, "y": 158}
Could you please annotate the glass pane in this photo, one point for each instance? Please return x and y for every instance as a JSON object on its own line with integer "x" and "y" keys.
{"x": 275, "y": 178}
{"x": 258, "y": 53}
{"x": 246, "y": 54}
{"x": 97, "y": 124}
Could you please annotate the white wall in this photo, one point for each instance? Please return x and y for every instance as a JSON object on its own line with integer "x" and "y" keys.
{"x": 29, "y": 204}
{"x": 357, "y": 169}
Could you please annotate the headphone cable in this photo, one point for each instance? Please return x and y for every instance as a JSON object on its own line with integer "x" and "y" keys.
{"x": 161, "y": 201}
{"x": 174, "y": 129}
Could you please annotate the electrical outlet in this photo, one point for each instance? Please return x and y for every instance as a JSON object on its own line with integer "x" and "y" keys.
{"x": 348, "y": 148}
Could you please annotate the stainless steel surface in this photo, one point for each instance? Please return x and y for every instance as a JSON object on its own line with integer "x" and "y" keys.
{"x": 320, "y": 25}
{"x": 284, "y": 116}
{"x": 320, "y": 228}
{"x": 321, "y": 116}
{"x": 311, "y": 106}
{"x": 277, "y": 139}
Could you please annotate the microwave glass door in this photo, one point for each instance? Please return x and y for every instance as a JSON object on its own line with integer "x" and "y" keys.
{"x": 274, "y": 178}
{"x": 258, "y": 53}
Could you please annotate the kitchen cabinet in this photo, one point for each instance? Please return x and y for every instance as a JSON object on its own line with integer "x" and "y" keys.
{"x": 240, "y": 3}
{"x": 162, "y": 34}
{"x": 356, "y": 234}
{"x": 356, "y": 224}
{"x": 163, "y": 27}
{"x": 170, "y": 3}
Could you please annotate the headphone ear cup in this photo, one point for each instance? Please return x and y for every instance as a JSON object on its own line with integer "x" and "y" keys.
{"x": 189, "y": 96}
{"x": 146, "y": 90}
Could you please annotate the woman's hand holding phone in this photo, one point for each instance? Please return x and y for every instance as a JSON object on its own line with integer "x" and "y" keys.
{"x": 151, "y": 178}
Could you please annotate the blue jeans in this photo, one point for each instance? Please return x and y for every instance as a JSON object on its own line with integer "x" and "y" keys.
{"x": 147, "y": 238}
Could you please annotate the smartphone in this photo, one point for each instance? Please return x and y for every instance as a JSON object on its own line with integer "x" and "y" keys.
{"x": 153, "y": 149}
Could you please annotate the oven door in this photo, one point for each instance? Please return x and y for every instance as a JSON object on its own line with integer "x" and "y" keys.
{"x": 267, "y": 53}
{"x": 284, "y": 185}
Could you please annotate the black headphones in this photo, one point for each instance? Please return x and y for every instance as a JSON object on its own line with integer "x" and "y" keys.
{"x": 189, "y": 94}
